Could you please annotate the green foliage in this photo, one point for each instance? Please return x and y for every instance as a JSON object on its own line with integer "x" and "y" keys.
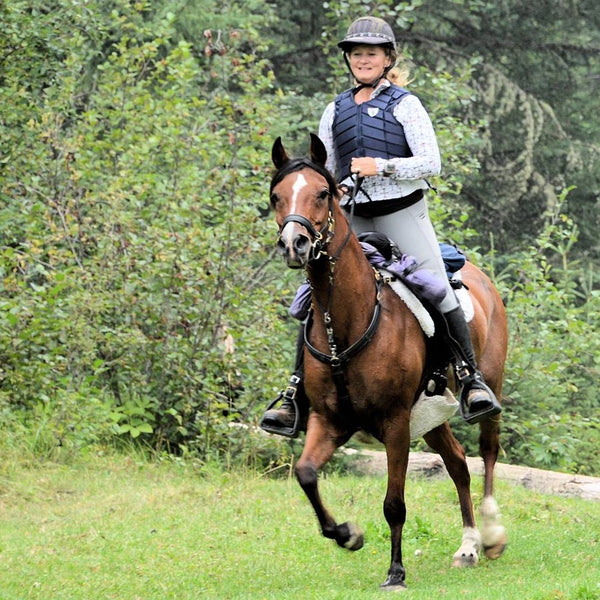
{"x": 551, "y": 417}
{"x": 139, "y": 299}
{"x": 135, "y": 258}
{"x": 554, "y": 356}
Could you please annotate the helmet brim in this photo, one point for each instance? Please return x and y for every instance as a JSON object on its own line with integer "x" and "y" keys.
{"x": 370, "y": 40}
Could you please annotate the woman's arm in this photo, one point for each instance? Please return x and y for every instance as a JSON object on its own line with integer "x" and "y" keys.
{"x": 421, "y": 140}
{"x": 326, "y": 135}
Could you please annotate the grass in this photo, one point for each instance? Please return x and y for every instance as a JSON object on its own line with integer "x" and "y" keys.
{"x": 118, "y": 528}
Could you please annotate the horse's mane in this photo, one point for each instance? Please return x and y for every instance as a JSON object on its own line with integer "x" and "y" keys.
{"x": 297, "y": 164}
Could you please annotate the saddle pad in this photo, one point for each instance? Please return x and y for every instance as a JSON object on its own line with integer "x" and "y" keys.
{"x": 413, "y": 303}
{"x": 417, "y": 308}
{"x": 431, "y": 411}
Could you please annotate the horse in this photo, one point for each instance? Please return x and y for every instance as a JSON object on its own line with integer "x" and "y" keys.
{"x": 365, "y": 361}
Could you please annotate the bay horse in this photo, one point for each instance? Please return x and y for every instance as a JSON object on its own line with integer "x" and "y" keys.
{"x": 365, "y": 361}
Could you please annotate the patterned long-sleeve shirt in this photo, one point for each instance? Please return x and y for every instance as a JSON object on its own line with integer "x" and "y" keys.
{"x": 410, "y": 172}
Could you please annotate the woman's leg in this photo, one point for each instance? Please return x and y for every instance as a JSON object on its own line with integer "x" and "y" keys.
{"x": 412, "y": 231}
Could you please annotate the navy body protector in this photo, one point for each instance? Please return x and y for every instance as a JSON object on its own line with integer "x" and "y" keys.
{"x": 368, "y": 129}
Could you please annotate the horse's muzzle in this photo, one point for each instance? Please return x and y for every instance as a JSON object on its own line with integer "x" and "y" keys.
{"x": 294, "y": 245}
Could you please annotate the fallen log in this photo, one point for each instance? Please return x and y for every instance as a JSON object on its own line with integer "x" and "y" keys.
{"x": 426, "y": 464}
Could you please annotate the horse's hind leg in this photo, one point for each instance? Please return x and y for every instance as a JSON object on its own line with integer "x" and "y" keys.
{"x": 321, "y": 443}
{"x": 493, "y": 533}
{"x": 442, "y": 440}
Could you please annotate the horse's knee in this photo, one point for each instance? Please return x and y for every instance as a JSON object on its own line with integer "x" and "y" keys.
{"x": 306, "y": 473}
{"x": 394, "y": 510}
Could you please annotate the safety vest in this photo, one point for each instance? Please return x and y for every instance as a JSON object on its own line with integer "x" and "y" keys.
{"x": 368, "y": 129}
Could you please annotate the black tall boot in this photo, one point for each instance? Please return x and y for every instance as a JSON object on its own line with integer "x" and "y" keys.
{"x": 477, "y": 401}
{"x": 291, "y": 417}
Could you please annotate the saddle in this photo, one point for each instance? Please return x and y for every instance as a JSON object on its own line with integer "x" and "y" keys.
{"x": 420, "y": 289}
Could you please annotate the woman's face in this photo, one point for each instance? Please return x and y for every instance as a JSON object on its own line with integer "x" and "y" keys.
{"x": 368, "y": 62}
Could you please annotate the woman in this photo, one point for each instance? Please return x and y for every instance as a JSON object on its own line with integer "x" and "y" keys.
{"x": 380, "y": 132}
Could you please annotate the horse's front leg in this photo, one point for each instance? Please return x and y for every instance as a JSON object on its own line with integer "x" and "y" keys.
{"x": 322, "y": 440}
{"x": 397, "y": 445}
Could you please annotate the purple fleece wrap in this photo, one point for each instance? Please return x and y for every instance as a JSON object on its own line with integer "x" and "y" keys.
{"x": 422, "y": 282}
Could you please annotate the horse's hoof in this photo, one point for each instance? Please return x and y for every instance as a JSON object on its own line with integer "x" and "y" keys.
{"x": 468, "y": 553}
{"x": 351, "y": 537}
{"x": 494, "y": 552}
{"x": 465, "y": 559}
{"x": 388, "y": 586}
{"x": 395, "y": 581}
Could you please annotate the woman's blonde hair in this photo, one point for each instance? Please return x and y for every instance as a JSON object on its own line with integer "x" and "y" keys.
{"x": 399, "y": 75}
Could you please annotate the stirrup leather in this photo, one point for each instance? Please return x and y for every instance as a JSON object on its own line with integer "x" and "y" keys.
{"x": 287, "y": 395}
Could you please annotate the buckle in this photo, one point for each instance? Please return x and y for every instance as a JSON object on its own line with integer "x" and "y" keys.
{"x": 463, "y": 372}
{"x": 292, "y": 388}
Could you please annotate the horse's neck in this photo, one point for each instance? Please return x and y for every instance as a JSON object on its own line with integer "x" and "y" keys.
{"x": 343, "y": 284}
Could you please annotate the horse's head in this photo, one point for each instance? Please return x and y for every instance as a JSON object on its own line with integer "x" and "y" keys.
{"x": 302, "y": 194}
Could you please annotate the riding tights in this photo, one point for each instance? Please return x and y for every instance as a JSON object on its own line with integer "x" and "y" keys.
{"x": 413, "y": 233}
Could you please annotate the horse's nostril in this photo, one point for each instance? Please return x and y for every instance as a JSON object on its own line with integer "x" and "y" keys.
{"x": 300, "y": 244}
{"x": 281, "y": 246}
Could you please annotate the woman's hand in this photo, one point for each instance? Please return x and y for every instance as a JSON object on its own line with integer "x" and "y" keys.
{"x": 364, "y": 166}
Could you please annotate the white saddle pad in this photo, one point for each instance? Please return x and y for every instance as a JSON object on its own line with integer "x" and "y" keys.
{"x": 417, "y": 308}
{"x": 431, "y": 411}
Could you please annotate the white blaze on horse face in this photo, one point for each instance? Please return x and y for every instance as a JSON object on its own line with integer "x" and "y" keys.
{"x": 287, "y": 233}
{"x": 296, "y": 189}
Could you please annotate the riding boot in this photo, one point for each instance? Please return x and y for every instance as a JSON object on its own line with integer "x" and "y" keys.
{"x": 477, "y": 400}
{"x": 291, "y": 417}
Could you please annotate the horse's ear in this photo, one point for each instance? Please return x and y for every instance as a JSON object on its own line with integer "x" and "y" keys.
{"x": 278, "y": 154}
{"x": 318, "y": 154}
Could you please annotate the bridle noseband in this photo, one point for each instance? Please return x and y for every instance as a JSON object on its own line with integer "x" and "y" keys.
{"x": 319, "y": 241}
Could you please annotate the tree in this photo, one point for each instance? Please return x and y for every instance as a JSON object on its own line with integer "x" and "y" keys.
{"x": 535, "y": 80}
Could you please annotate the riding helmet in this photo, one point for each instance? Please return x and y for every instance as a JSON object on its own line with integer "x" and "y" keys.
{"x": 368, "y": 30}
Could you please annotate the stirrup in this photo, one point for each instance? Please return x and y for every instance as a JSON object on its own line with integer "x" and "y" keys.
{"x": 289, "y": 395}
{"x": 493, "y": 408}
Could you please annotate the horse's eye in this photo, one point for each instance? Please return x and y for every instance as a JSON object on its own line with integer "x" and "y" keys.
{"x": 323, "y": 195}
{"x": 274, "y": 200}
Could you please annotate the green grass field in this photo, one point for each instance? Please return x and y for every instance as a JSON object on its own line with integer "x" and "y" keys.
{"x": 116, "y": 528}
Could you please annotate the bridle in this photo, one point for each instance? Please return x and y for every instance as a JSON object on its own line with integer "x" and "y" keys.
{"x": 320, "y": 240}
